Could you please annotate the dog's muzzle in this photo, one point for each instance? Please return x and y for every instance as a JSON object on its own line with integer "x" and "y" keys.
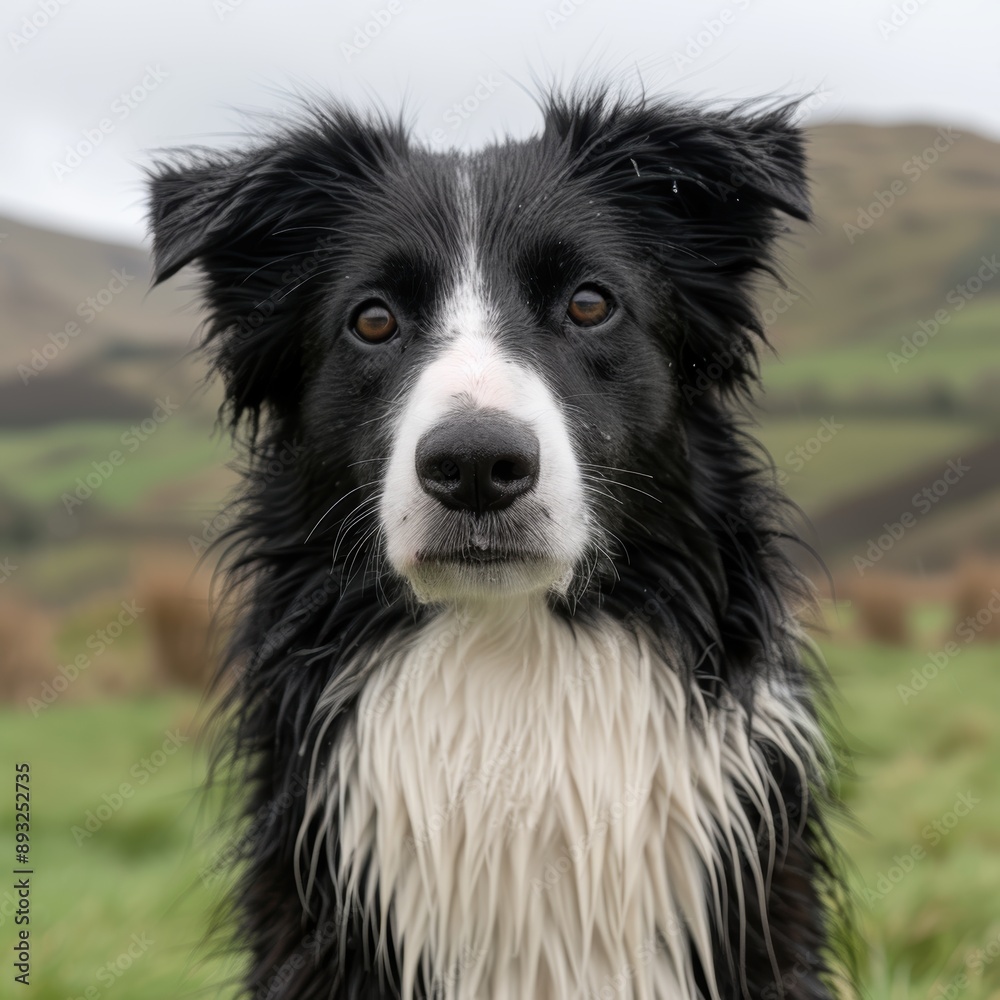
{"x": 483, "y": 496}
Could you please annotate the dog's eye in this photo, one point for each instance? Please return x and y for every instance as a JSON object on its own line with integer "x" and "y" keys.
{"x": 589, "y": 306}
{"x": 374, "y": 323}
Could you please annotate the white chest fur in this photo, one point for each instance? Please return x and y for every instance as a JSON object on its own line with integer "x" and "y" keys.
{"x": 538, "y": 813}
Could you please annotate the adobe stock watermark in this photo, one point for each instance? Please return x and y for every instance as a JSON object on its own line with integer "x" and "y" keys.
{"x": 914, "y": 168}
{"x": 443, "y": 986}
{"x": 485, "y": 780}
{"x": 652, "y": 607}
{"x": 721, "y": 362}
{"x": 976, "y": 963}
{"x": 958, "y": 298}
{"x": 290, "y": 279}
{"x": 560, "y": 14}
{"x": 939, "y": 660}
{"x": 121, "y": 108}
{"x": 36, "y": 22}
{"x": 109, "y": 973}
{"x": 88, "y": 309}
{"x": 616, "y": 985}
{"x": 368, "y": 31}
{"x": 413, "y": 665}
{"x": 461, "y": 111}
{"x": 798, "y": 456}
{"x": 931, "y": 835}
{"x": 131, "y": 440}
{"x": 301, "y": 610}
{"x": 303, "y": 956}
{"x": 142, "y": 771}
{"x": 578, "y": 851}
{"x": 753, "y": 505}
{"x": 98, "y": 642}
{"x": 224, "y": 857}
{"x": 740, "y": 354}
{"x": 898, "y": 17}
{"x": 9, "y": 906}
{"x": 7, "y": 569}
{"x": 223, "y": 8}
{"x": 922, "y": 501}
{"x": 268, "y": 472}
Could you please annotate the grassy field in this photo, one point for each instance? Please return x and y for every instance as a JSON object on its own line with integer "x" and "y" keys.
{"x": 114, "y": 850}
{"x": 43, "y": 464}
{"x": 925, "y": 850}
{"x": 926, "y": 798}
{"x": 820, "y": 471}
{"x": 962, "y": 352}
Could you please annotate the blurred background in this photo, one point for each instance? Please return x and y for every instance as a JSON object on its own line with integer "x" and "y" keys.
{"x": 881, "y": 410}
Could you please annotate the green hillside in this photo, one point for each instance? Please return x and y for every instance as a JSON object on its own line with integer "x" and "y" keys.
{"x": 901, "y": 268}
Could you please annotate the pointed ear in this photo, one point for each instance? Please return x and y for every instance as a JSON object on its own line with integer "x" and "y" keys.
{"x": 260, "y": 223}
{"x": 705, "y": 193}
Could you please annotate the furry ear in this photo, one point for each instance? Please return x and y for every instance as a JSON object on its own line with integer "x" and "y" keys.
{"x": 705, "y": 191}
{"x": 194, "y": 198}
{"x": 261, "y": 223}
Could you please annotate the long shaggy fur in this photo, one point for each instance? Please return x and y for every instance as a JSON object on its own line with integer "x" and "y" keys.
{"x": 616, "y": 788}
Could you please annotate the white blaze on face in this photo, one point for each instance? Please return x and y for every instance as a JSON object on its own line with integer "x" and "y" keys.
{"x": 472, "y": 371}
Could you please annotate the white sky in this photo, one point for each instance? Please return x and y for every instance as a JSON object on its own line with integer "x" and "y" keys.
{"x": 938, "y": 64}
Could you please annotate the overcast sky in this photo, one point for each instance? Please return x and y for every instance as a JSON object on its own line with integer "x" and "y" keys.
{"x": 91, "y": 86}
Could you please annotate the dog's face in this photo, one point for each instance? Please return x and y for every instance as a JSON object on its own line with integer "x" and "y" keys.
{"x": 494, "y": 352}
{"x": 492, "y": 337}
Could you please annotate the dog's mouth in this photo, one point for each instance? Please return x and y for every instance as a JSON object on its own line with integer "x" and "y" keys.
{"x": 478, "y": 557}
{"x": 481, "y": 572}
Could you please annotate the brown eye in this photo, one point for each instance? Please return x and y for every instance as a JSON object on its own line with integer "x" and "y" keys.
{"x": 375, "y": 323}
{"x": 588, "y": 306}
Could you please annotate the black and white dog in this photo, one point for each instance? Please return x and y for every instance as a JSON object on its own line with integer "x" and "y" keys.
{"x": 520, "y": 699}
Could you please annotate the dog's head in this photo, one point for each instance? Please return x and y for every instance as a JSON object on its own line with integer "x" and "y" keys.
{"x": 499, "y": 353}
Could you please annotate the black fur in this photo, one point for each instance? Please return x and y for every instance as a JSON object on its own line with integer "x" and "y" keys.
{"x": 675, "y": 207}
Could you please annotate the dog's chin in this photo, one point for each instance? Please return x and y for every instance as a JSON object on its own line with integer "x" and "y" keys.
{"x": 485, "y": 576}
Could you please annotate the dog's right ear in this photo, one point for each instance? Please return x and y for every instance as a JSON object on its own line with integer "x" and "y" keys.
{"x": 261, "y": 224}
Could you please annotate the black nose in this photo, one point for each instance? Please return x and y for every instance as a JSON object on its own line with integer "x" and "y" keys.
{"x": 481, "y": 460}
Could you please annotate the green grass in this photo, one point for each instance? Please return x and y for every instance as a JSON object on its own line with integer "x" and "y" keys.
{"x": 43, "y": 464}
{"x": 861, "y": 454}
{"x": 921, "y": 928}
{"x": 138, "y": 874}
{"x": 963, "y": 353}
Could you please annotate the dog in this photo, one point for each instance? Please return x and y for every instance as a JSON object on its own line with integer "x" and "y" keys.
{"x": 520, "y": 701}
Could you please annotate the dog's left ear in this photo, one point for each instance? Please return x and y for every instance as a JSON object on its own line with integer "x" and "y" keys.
{"x": 705, "y": 193}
